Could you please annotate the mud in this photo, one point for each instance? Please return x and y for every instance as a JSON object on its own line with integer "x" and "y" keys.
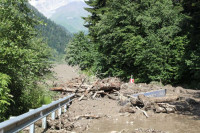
{"x": 185, "y": 120}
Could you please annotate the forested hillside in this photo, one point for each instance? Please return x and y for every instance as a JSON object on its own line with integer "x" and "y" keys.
{"x": 56, "y": 36}
{"x": 154, "y": 40}
{"x": 24, "y": 59}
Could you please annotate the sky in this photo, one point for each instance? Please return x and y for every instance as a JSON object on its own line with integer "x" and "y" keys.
{"x": 48, "y": 7}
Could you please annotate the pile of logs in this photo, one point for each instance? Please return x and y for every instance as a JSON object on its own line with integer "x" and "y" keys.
{"x": 84, "y": 89}
{"x": 157, "y": 104}
{"x": 110, "y": 87}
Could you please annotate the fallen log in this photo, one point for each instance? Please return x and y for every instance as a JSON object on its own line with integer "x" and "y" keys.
{"x": 57, "y": 89}
{"x": 127, "y": 109}
{"x": 164, "y": 99}
{"x": 169, "y": 108}
{"x": 80, "y": 85}
{"x": 159, "y": 109}
{"x": 94, "y": 95}
{"x": 111, "y": 97}
{"x": 74, "y": 90}
{"x": 136, "y": 102}
{"x": 87, "y": 91}
{"x": 108, "y": 84}
{"x": 146, "y": 101}
{"x": 87, "y": 116}
{"x": 144, "y": 112}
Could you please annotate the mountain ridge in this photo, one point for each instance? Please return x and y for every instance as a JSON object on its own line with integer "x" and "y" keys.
{"x": 55, "y": 35}
{"x": 70, "y": 16}
{"x": 67, "y": 13}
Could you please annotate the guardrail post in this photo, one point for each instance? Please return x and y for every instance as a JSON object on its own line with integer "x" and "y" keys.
{"x": 53, "y": 115}
{"x": 32, "y": 127}
{"x": 65, "y": 108}
{"x": 44, "y": 121}
{"x": 59, "y": 110}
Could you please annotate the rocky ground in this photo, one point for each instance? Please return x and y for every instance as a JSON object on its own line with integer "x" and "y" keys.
{"x": 100, "y": 113}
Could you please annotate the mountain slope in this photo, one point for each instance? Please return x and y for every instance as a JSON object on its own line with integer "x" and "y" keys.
{"x": 48, "y": 7}
{"x": 56, "y": 36}
{"x": 70, "y": 16}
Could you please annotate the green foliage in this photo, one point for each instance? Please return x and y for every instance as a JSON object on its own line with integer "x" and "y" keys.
{"x": 192, "y": 27}
{"x": 24, "y": 57}
{"x": 155, "y": 40}
{"x": 56, "y": 36}
{"x": 78, "y": 51}
{"x": 97, "y": 8}
{"x": 137, "y": 36}
{"x": 5, "y": 97}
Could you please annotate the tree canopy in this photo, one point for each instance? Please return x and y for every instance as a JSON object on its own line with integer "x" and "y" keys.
{"x": 154, "y": 40}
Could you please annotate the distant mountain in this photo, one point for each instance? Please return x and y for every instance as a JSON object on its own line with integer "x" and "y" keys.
{"x": 48, "y": 7}
{"x": 56, "y": 36}
{"x": 70, "y": 16}
{"x": 67, "y": 13}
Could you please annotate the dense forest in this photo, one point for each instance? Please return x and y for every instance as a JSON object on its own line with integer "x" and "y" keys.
{"x": 153, "y": 40}
{"x": 24, "y": 59}
{"x": 56, "y": 36}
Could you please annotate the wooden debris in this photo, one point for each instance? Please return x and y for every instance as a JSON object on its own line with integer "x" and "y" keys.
{"x": 94, "y": 95}
{"x": 164, "y": 99}
{"x": 111, "y": 97}
{"x": 144, "y": 112}
{"x": 110, "y": 87}
{"x": 87, "y": 91}
{"x": 57, "y": 89}
{"x": 127, "y": 109}
{"x": 87, "y": 116}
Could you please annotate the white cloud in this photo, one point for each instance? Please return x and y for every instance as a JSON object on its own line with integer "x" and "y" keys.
{"x": 48, "y": 7}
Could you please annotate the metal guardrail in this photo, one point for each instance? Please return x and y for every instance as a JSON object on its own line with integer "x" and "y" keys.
{"x": 28, "y": 119}
{"x": 157, "y": 93}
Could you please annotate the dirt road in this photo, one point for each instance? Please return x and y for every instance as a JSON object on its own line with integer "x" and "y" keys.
{"x": 64, "y": 72}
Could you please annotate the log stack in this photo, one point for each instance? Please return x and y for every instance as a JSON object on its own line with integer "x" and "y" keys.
{"x": 111, "y": 88}
{"x": 157, "y": 104}
{"x": 85, "y": 89}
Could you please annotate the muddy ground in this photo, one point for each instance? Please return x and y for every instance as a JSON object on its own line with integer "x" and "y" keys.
{"x": 108, "y": 119}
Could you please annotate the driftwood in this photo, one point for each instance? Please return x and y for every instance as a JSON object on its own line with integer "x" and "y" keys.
{"x": 87, "y": 116}
{"x": 57, "y": 89}
{"x": 164, "y": 99}
{"x": 94, "y": 95}
{"x": 158, "y": 104}
{"x": 80, "y": 85}
{"x": 74, "y": 91}
{"x": 87, "y": 91}
{"x": 108, "y": 84}
{"x": 111, "y": 97}
{"x": 127, "y": 109}
{"x": 169, "y": 108}
{"x": 103, "y": 87}
{"x": 144, "y": 112}
{"x": 159, "y": 109}
{"x": 136, "y": 102}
